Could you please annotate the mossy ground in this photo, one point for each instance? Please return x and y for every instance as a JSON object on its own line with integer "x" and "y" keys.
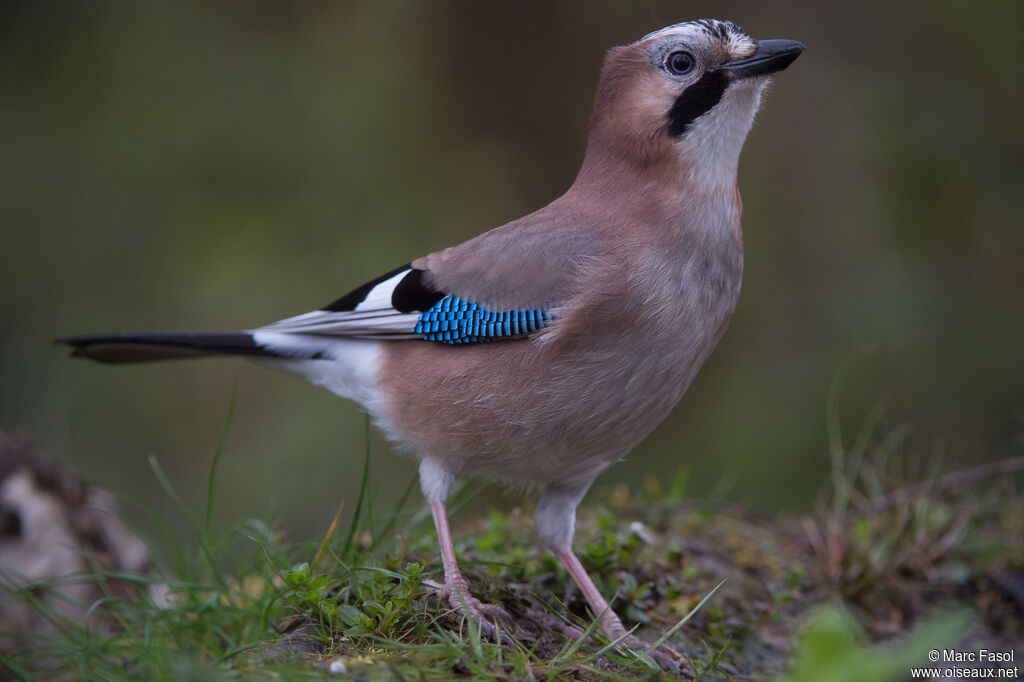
{"x": 358, "y": 603}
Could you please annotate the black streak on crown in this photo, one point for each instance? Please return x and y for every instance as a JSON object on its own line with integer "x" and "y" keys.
{"x": 717, "y": 28}
{"x": 696, "y": 100}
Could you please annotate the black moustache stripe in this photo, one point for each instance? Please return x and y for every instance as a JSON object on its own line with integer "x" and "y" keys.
{"x": 695, "y": 101}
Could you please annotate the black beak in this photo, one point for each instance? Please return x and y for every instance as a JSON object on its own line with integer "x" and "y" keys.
{"x": 771, "y": 56}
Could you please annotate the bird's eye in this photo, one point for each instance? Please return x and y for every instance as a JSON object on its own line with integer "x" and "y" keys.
{"x": 680, "y": 63}
{"x": 10, "y": 523}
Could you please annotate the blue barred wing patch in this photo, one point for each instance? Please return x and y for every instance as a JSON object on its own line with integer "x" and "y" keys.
{"x": 453, "y": 320}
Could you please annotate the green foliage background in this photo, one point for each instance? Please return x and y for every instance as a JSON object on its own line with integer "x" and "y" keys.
{"x": 195, "y": 165}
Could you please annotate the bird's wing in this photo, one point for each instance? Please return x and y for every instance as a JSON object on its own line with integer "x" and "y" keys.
{"x": 502, "y": 284}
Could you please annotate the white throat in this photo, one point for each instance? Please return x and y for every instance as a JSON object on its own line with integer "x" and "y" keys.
{"x": 714, "y": 141}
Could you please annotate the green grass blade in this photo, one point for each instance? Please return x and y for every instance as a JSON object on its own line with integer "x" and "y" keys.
{"x": 362, "y": 496}
{"x": 675, "y": 628}
{"x": 328, "y": 535}
{"x": 396, "y": 514}
{"x": 165, "y": 483}
{"x": 179, "y": 502}
{"x": 212, "y": 478}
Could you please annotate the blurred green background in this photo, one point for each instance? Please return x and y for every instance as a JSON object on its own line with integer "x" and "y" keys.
{"x": 196, "y": 165}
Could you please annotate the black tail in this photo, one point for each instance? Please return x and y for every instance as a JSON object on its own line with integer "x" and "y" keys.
{"x": 147, "y": 346}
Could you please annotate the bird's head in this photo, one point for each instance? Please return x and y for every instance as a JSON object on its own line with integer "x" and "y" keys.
{"x": 686, "y": 94}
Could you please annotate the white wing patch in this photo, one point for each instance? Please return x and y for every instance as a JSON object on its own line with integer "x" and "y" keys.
{"x": 373, "y": 318}
{"x": 379, "y": 297}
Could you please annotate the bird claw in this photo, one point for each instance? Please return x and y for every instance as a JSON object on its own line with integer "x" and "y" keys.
{"x": 483, "y": 615}
{"x": 667, "y": 658}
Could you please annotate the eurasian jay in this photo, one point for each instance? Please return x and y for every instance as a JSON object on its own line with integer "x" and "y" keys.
{"x": 539, "y": 353}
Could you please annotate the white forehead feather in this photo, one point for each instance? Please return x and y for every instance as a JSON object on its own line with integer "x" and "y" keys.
{"x": 738, "y": 43}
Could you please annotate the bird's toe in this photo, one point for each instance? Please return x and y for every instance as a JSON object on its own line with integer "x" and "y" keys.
{"x": 667, "y": 658}
{"x": 485, "y": 616}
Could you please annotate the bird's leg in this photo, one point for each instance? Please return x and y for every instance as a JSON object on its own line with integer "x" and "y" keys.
{"x": 455, "y": 587}
{"x": 555, "y": 519}
{"x": 609, "y": 621}
{"x": 667, "y": 657}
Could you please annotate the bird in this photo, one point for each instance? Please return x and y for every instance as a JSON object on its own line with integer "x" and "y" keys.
{"x": 539, "y": 353}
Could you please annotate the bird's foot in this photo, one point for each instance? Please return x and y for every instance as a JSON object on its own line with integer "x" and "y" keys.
{"x": 667, "y": 658}
{"x": 484, "y": 616}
